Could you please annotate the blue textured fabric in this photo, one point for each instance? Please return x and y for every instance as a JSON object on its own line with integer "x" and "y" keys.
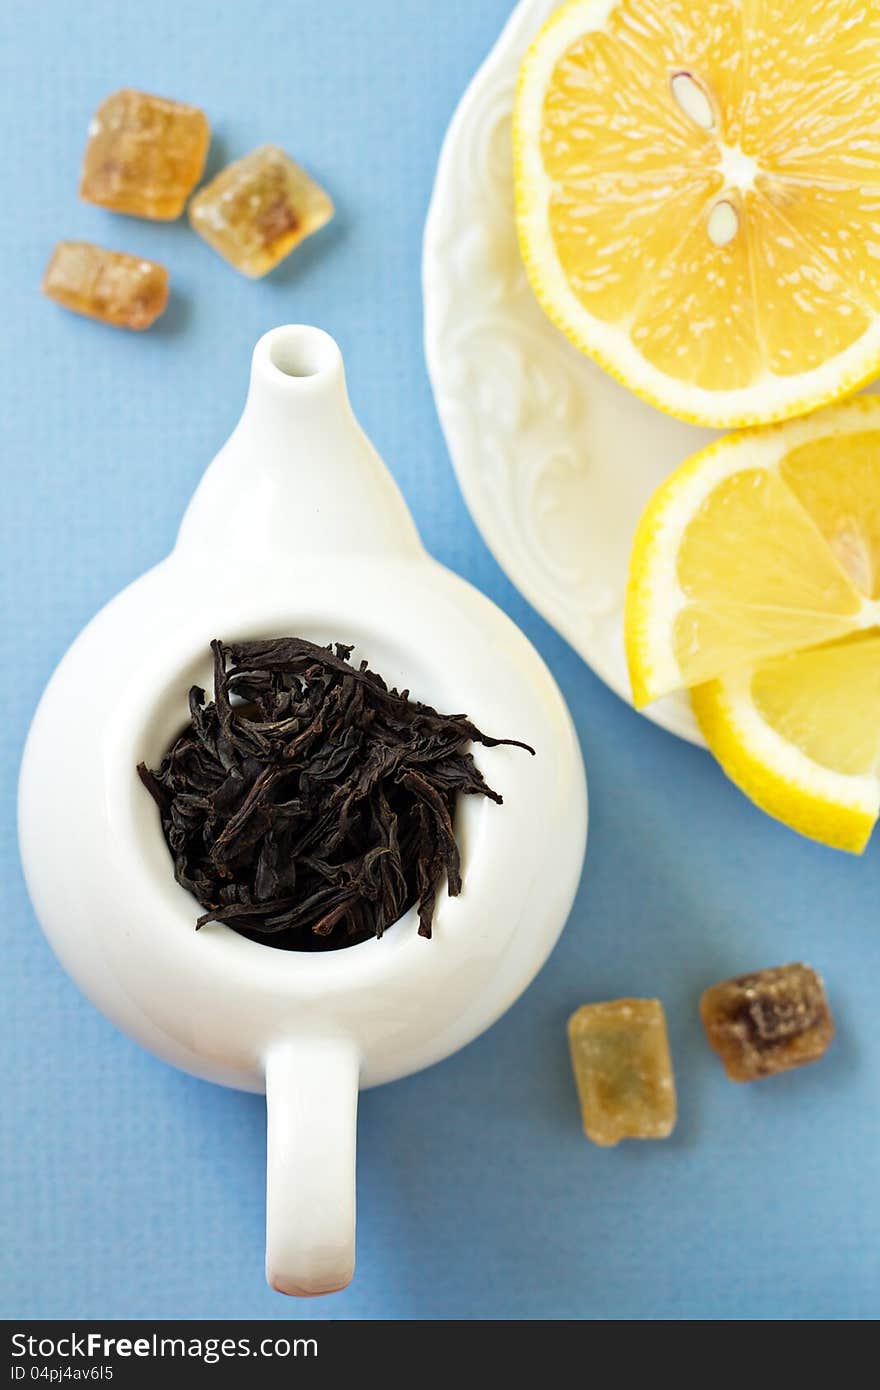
{"x": 130, "y": 1190}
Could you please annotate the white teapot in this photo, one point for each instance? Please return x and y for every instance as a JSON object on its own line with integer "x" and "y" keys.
{"x": 297, "y": 529}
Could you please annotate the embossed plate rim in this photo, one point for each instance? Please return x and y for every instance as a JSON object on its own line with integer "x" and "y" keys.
{"x": 595, "y": 643}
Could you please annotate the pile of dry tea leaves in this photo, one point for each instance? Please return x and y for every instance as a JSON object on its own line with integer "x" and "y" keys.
{"x": 309, "y": 806}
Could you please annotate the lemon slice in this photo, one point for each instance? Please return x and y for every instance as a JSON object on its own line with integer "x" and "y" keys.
{"x": 800, "y": 735}
{"x": 754, "y": 580}
{"x": 698, "y": 198}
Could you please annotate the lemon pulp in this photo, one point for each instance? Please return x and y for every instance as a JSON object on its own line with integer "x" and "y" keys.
{"x": 698, "y": 191}
{"x": 755, "y": 581}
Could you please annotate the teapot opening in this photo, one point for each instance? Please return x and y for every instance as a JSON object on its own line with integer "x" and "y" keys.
{"x": 165, "y": 722}
{"x": 300, "y": 351}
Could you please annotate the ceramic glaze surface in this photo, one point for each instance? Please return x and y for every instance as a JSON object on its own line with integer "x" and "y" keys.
{"x": 217, "y": 1004}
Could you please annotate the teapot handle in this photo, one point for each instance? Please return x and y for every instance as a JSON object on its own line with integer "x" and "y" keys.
{"x": 311, "y": 1108}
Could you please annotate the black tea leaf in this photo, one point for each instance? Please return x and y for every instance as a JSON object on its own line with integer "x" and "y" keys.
{"x": 309, "y": 806}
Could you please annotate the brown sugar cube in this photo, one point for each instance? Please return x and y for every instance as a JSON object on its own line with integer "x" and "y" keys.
{"x": 767, "y": 1022}
{"x": 144, "y": 155}
{"x": 623, "y": 1070}
{"x": 127, "y": 291}
{"x": 258, "y": 209}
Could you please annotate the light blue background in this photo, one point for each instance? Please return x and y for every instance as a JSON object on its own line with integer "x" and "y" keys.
{"x": 133, "y": 1191}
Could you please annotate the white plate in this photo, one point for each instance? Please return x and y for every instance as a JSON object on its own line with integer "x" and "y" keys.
{"x": 555, "y": 459}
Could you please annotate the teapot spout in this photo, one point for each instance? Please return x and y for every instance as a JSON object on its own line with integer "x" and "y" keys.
{"x": 297, "y": 476}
